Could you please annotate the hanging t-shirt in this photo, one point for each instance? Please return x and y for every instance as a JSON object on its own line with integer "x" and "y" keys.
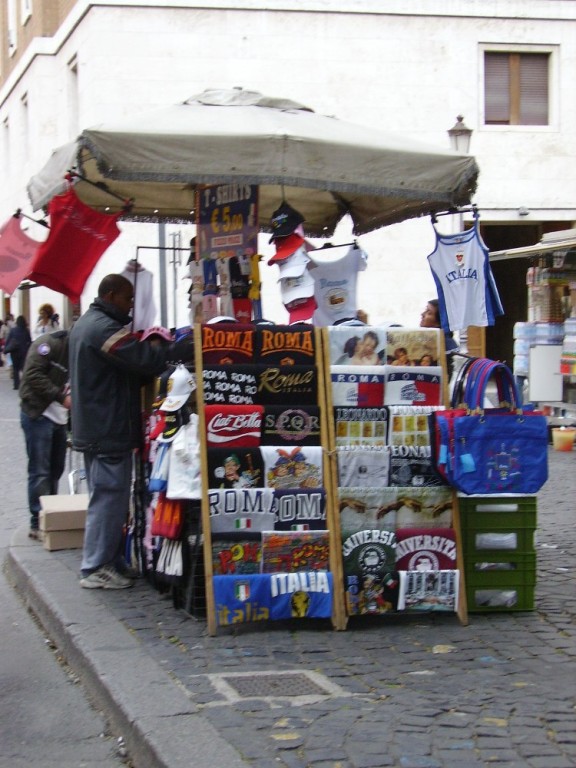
{"x": 467, "y": 293}
{"x": 79, "y": 235}
{"x": 144, "y": 310}
{"x": 335, "y": 283}
{"x": 17, "y": 252}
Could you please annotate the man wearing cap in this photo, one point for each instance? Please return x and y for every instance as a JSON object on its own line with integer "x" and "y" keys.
{"x": 108, "y": 365}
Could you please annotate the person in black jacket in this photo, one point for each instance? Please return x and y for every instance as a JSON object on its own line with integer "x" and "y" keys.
{"x": 17, "y": 343}
{"x": 108, "y": 365}
{"x": 44, "y": 408}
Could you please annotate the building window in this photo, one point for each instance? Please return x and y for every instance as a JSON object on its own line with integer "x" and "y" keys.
{"x": 25, "y": 10}
{"x": 12, "y": 36}
{"x": 516, "y": 90}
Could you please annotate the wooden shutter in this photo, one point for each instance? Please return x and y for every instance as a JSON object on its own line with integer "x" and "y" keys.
{"x": 533, "y": 89}
{"x": 497, "y": 89}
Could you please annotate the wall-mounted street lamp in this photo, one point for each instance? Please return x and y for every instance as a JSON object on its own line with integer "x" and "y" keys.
{"x": 460, "y": 136}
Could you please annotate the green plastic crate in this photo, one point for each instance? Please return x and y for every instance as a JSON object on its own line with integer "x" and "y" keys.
{"x": 500, "y": 599}
{"x": 493, "y": 543}
{"x": 497, "y": 512}
{"x": 505, "y": 571}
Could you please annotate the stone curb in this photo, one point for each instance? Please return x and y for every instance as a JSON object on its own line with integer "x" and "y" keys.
{"x": 157, "y": 720}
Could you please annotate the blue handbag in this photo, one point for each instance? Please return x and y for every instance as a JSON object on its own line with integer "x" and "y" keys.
{"x": 498, "y": 450}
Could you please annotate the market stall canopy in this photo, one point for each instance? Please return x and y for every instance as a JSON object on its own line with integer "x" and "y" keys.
{"x": 324, "y": 167}
{"x": 560, "y": 245}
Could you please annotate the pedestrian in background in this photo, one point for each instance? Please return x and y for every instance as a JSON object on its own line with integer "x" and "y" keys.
{"x": 430, "y": 318}
{"x": 44, "y": 409}
{"x": 108, "y": 366}
{"x": 17, "y": 343}
{"x": 48, "y": 321}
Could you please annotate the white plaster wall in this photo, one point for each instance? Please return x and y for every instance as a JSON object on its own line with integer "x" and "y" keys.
{"x": 366, "y": 62}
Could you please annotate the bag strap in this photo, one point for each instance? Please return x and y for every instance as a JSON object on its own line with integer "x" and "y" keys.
{"x": 501, "y": 374}
{"x": 458, "y": 399}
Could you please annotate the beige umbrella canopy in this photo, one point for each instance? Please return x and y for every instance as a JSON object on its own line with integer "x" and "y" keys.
{"x": 324, "y": 167}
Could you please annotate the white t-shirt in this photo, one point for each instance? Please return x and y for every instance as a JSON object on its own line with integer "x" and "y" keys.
{"x": 335, "y": 278}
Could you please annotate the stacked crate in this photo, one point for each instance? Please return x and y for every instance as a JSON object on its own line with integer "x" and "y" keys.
{"x": 498, "y": 536}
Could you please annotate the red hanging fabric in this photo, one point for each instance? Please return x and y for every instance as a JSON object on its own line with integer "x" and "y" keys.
{"x": 78, "y": 237}
{"x": 17, "y": 252}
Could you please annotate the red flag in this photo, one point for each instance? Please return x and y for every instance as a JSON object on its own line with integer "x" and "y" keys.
{"x": 17, "y": 252}
{"x": 79, "y": 235}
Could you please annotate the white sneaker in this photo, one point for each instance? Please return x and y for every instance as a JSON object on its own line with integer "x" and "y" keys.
{"x": 106, "y": 577}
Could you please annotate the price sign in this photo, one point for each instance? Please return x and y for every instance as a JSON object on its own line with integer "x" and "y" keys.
{"x": 227, "y": 221}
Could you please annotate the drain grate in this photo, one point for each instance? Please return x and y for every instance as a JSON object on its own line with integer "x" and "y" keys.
{"x": 274, "y": 685}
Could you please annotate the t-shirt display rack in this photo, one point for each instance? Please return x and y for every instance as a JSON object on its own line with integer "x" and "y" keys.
{"x": 410, "y": 366}
{"x": 303, "y": 595}
{"x": 287, "y": 601}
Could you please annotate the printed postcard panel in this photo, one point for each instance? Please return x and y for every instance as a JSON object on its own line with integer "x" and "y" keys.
{"x": 233, "y": 425}
{"x": 227, "y": 343}
{"x": 290, "y": 468}
{"x": 367, "y": 507}
{"x": 413, "y": 346}
{"x": 302, "y": 595}
{"x": 428, "y": 590}
{"x": 300, "y": 510}
{"x": 285, "y": 345}
{"x": 288, "y": 385}
{"x": 369, "y": 566}
{"x": 236, "y": 556}
{"x": 408, "y": 424}
{"x": 366, "y": 427}
{"x": 235, "y": 468}
{"x": 291, "y": 425}
{"x": 357, "y": 345}
{"x": 371, "y": 594}
{"x": 413, "y": 385}
{"x": 422, "y": 549}
{"x": 241, "y": 599}
{"x": 241, "y": 509}
{"x": 285, "y": 551}
{"x": 357, "y": 386}
{"x": 364, "y": 467}
{"x": 410, "y": 470}
{"x": 428, "y": 507}
{"x": 260, "y": 385}
{"x": 227, "y": 385}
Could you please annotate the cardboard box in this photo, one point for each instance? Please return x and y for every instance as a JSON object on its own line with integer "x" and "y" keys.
{"x": 63, "y": 512}
{"x": 63, "y": 540}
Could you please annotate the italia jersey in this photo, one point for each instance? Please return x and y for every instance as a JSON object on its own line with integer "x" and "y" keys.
{"x": 467, "y": 293}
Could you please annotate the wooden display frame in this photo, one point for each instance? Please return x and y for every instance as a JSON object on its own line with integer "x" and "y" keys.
{"x": 339, "y": 616}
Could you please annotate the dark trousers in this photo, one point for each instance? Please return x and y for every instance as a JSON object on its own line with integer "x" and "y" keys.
{"x": 46, "y": 450}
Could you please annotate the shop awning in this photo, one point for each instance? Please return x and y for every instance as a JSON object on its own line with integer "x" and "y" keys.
{"x": 324, "y": 167}
{"x": 560, "y": 246}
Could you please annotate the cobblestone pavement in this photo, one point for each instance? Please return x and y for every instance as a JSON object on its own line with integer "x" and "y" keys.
{"x": 403, "y": 691}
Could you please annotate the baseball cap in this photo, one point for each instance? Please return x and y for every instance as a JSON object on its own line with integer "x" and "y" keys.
{"x": 292, "y": 288}
{"x": 157, "y": 330}
{"x": 181, "y": 384}
{"x": 295, "y": 265}
{"x": 172, "y": 423}
{"x": 284, "y": 221}
{"x": 301, "y": 310}
{"x": 285, "y": 247}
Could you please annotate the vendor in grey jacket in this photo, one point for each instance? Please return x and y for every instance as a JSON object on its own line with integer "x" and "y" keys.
{"x": 44, "y": 407}
{"x": 108, "y": 366}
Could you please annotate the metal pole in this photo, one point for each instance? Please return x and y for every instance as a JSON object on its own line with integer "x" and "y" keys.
{"x": 162, "y": 272}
